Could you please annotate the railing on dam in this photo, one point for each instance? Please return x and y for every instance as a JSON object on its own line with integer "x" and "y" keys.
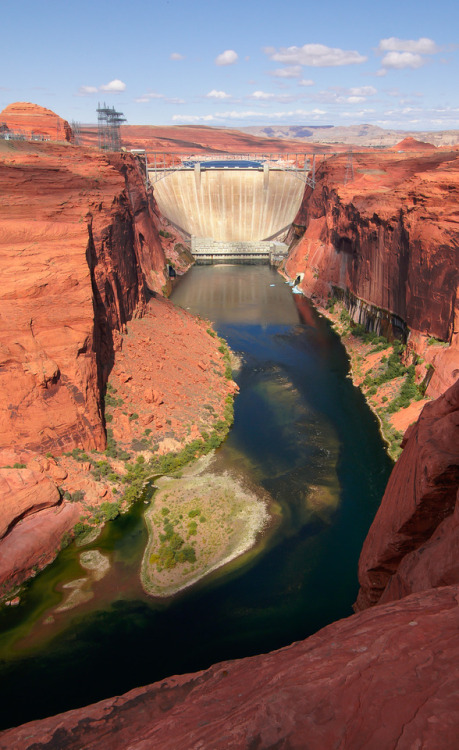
{"x": 206, "y": 250}
{"x": 302, "y": 165}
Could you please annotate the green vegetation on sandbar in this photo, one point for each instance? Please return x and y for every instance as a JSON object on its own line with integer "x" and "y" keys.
{"x": 197, "y": 524}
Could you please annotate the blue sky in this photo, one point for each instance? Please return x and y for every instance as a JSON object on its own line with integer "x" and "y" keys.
{"x": 393, "y": 64}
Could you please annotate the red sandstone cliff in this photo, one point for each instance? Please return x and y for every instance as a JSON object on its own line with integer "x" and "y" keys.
{"x": 76, "y": 265}
{"x": 389, "y": 236}
{"x": 35, "y": 121}
{"x": 413, "y": 542}
{"x": 79, "y": 251}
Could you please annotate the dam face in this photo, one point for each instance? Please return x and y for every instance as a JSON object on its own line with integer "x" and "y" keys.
{"x": 230, "y": 205}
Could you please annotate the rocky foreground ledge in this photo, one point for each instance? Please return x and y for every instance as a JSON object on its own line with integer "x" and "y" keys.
{"x": 384, "y": 678}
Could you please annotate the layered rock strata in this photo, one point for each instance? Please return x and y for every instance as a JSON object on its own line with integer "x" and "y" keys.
{"x": 413, "y": 542}
{"x": 34, "y": 121}
{"x": 384, "y": 229}
{"x": 383, "y": 679}
{"x": 81, "y": 254}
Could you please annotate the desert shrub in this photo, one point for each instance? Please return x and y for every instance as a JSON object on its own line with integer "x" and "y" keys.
{"x": 77, "y": 496}
{"x": 109, "y": 511}
{"x": 81, "y": 528}
{"x": 110, "y": 400}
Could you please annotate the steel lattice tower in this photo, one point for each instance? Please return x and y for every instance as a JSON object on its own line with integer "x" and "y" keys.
{"x": 108, "y": 122}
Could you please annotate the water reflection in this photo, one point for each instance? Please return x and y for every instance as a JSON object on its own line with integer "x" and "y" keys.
{"x": 237, "y": 294}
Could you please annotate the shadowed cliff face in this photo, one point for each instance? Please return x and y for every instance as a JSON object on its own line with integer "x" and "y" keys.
{"x": 413, "y": 542}
{"x": 390, "y": 237}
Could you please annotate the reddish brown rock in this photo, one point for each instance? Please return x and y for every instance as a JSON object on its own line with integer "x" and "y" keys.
{"x": 23, "y": 492}
{"x": 79, "y": 251}
{"x": 412, "y": 543}
{"x": 411, "y": 144}
{"x": 34, "y": 542}
{"x": 388, "y": 237}
{"x": 76, "y": 267}
{"x": 385, "y": 679}
{"x": 35, "y": 121}
{"x": 435, "y": 563}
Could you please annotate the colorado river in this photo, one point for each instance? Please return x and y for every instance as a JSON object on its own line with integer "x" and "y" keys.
{"x": 305, "y": 437}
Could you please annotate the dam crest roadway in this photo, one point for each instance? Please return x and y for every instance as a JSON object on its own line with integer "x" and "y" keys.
{"x": 230, "y": 198}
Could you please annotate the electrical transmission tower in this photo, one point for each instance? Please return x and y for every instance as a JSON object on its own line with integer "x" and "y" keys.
{"x": 108, "y": 123}
{"x": 349, "y": 173}
{"x": 76, "y": 133}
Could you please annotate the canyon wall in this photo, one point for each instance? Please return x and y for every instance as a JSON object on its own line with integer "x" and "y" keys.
{"x": 384, "y": 235}
{"x": 80, "y": 253}
{"x": 385, "y": 231}
{"x": 77, "y": 264}
{"x": 413, "y": 542}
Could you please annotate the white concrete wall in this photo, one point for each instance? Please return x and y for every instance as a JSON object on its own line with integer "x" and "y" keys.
{"x": 230, "y": 205}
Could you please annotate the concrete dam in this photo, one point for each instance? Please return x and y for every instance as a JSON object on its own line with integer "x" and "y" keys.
{"x": 240, "y": 204}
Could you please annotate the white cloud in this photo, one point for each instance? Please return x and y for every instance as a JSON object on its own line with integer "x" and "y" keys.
{"x": 87, "y": 90}
{"x": 422, "y": 46}
{"x": 305, "y": 82}
{"x": 339, "y": 95}
{"x": 248, "y": 114}
{"x": 228, "y": 57}
{"x": 362, "y": 114}
{"x": 176, "y": 56}
{"x": 261, "y": 95}
{"x": 114, "y": 87}
{"x": 153, "y": 95}
{"x": 214, "y": 94}
{"x": 401, "y": 60}
{"x": 291, "y": 71}
{"x": 363, "y": 91}
{"x": 400, "y": 54}
{"x": 315, "y": 55}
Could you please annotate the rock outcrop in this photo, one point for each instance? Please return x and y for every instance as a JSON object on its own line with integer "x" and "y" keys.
{"x": 412, "y": 544}
{"x": 388, "y": 238}
{"x": 77, "y": 264}
{"x": 34, "y": 121}
{"x": 384, "y": 679}
{"x": 80, "y": 254}
{"x": 412, "y": 144}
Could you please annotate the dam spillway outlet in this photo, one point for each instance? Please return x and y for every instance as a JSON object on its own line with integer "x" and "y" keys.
{"x": 208, "y": 251}
{"x": 230, "y": 205}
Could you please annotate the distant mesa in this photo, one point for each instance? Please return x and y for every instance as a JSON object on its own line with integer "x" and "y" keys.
{"x": 411, "y": 144}
{"x": 33, "y": 121}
